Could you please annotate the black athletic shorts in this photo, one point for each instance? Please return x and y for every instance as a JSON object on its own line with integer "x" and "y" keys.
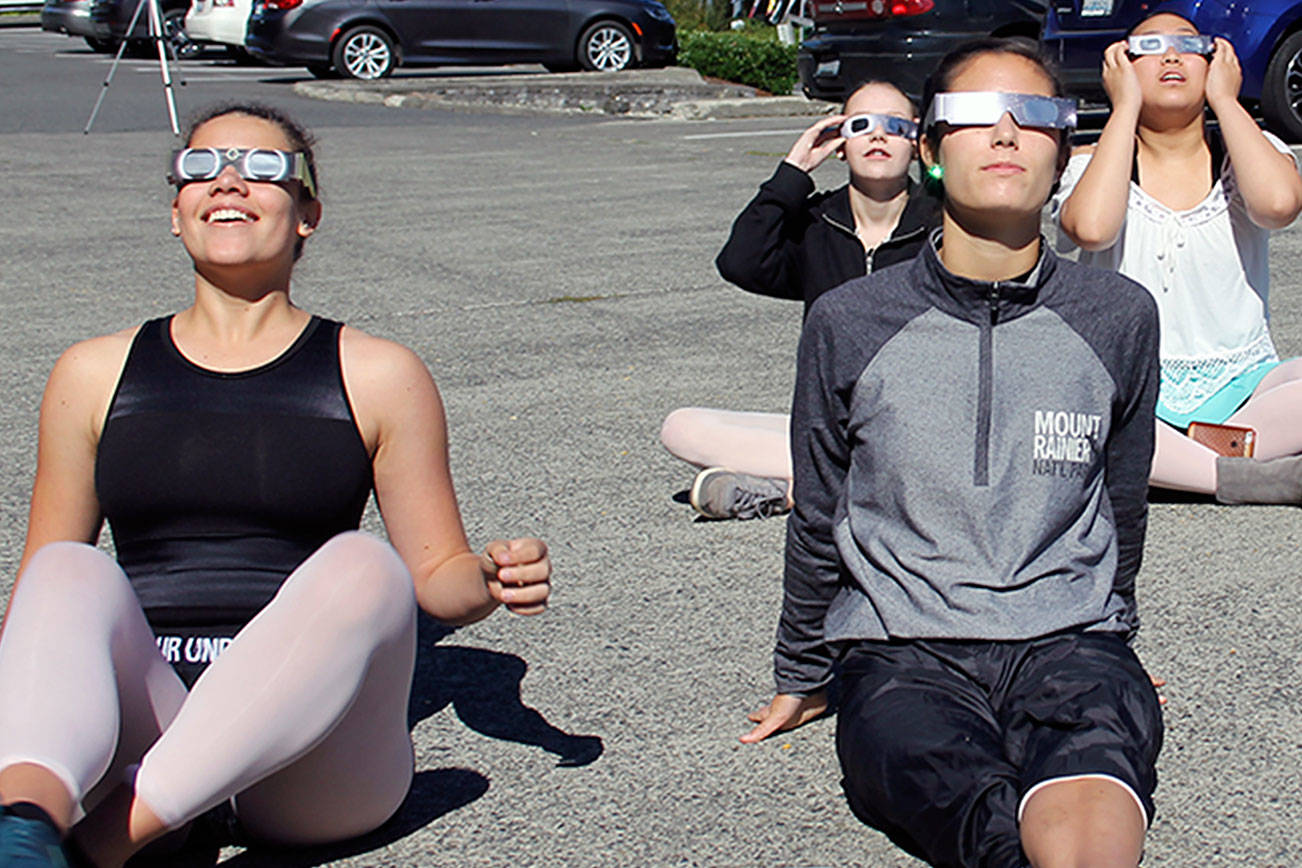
{"x": 941, "y": 741}
{"x": 191, "y": 647}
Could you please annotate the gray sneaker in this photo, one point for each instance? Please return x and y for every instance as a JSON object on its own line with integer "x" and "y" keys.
{"x": 721, "y": 493}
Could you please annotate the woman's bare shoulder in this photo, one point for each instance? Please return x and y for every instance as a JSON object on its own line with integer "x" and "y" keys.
{"x": 1083, "y": 150}
{"x": 379, "y": 362}
{"x": 95, "y": 360}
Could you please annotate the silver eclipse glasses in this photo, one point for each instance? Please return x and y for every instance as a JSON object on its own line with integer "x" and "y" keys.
{"x": 1158, "y": 43}
{"x": 252, "y": 164}
{"x": 984, "y": 109}
{"x": 862, "y": 125}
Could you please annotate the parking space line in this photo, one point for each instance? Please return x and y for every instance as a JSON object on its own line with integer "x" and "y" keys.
{"x": 739, "y": 135}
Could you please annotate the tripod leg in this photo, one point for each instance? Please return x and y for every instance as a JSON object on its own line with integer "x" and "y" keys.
{"x": 164, "y": 67}
{"x": 131, "y": 28}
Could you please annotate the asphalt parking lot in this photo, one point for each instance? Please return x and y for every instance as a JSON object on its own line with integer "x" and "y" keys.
{"x": 556, "y": 275}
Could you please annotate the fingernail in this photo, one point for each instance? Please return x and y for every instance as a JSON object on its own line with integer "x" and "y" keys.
{"x": 506, "y": 575}
{"x": 508, "y": 597}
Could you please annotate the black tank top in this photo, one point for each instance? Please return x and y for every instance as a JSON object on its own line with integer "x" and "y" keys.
{"x": 217, "y": 485}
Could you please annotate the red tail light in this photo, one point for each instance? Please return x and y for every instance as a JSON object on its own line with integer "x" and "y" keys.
{"x": 873, "y": 10}
{"x": 286, "y": 5}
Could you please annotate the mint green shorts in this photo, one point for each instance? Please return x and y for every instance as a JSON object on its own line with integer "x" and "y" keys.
{"x": 1221, "y": 405}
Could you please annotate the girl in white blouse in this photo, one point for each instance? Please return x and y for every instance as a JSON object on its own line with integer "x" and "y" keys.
{"x": 1159, "y": 200}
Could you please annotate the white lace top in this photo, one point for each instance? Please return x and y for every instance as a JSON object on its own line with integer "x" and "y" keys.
{"x": 1208, "y": 269}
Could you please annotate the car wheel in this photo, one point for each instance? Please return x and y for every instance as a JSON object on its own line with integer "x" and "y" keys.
{"x": 322, "y": 70}
{"x": 366, "y": 53}
{"x": 606, "y": 46}
{"x": 178, "y": 41}
{"x": 1281, "y": 89}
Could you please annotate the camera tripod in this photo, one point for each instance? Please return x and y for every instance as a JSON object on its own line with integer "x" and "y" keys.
{"x": 159, "y": 37}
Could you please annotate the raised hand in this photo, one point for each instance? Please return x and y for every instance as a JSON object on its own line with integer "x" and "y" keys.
{"x": 1224, "y": 76}
{"x": 1120, "y": 80}
{"x": 817, "y": 143}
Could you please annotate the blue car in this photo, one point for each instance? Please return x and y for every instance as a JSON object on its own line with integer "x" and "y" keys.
{"x": 1266, "y": 35}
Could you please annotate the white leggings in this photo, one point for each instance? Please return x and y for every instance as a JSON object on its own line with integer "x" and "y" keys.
{"x": 754, "y": 443}
{"x": 302, "y": 719}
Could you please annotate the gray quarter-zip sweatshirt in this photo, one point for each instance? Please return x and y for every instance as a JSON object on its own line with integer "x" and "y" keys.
{"x": 971, "y": 459}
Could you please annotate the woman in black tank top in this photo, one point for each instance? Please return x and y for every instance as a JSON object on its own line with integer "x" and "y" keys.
{"x": 232, "y": 448}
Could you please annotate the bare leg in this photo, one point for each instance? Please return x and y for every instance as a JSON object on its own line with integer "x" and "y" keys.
{"x": 754, "y": 443}
{"x": 1084, "y": 823}
{"x": 96, "y": 692}
{"x": 304, "y": 711}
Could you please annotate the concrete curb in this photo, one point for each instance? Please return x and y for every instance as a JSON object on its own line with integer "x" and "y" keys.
{"x": 674, "y": 92}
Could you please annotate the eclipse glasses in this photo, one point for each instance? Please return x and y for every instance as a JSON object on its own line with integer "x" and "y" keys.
{"x": 252, "y": 164}
{"x": 862, "y": 125}
{"x": 985, "y": 108}
{"x": 1158, "y": 43}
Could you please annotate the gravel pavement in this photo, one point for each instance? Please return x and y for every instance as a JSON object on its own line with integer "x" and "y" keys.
{"x": 558, "y": 280}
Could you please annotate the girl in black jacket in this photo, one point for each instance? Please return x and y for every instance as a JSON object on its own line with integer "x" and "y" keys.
{"x": 791, "y": 242}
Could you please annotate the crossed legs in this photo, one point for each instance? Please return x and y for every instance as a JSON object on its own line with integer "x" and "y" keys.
{"x": 302, "y": 719}
{"x": 1274, "y": 411}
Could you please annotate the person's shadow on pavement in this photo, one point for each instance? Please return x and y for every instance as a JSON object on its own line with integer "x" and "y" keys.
{"x": 483, "y": 688}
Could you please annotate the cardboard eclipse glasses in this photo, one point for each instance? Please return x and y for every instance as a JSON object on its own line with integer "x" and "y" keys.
{"x": 1158, "y": 43}
{"x": 985, "y": 108}
{"x": 252, "y": 164}
{"x": 862, "y": 125}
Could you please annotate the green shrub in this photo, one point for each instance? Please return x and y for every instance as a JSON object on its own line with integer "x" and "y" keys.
{"x": 757, "y": 60}
{"x": 699, "y": 14}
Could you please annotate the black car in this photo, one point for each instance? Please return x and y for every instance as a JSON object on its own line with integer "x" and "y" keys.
{"x": 112, "y": 19}
{"x": 902, "y": 40}
{"x": 369, "y": 38}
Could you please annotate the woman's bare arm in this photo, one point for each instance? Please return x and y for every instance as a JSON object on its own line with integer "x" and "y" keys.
{"x": 1095, "y": 211}
{"x": 401, "y": 418}
{"x": 64, "y": 506}
{"x": 1271, "y": 187}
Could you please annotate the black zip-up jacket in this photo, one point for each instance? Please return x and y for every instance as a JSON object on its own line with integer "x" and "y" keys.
{"x": 790, "y": 242}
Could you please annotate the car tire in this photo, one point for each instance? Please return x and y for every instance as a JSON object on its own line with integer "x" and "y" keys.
{"x": 322, "y": 70}
{"x": 102, "y": 46}
{"x": 1281, "y": 89}
{"x": 179, "y": 42}
{"x": 606, "y": 46}
{"x": 365, "y": 52}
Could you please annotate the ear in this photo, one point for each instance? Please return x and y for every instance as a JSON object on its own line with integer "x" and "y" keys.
{"x": 310, "y": 218}
{"x": 176, "y": 217}
{"x": 928, "y": 157}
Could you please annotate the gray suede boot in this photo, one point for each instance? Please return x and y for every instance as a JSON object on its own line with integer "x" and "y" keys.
{"x": 1247, "y": 480}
